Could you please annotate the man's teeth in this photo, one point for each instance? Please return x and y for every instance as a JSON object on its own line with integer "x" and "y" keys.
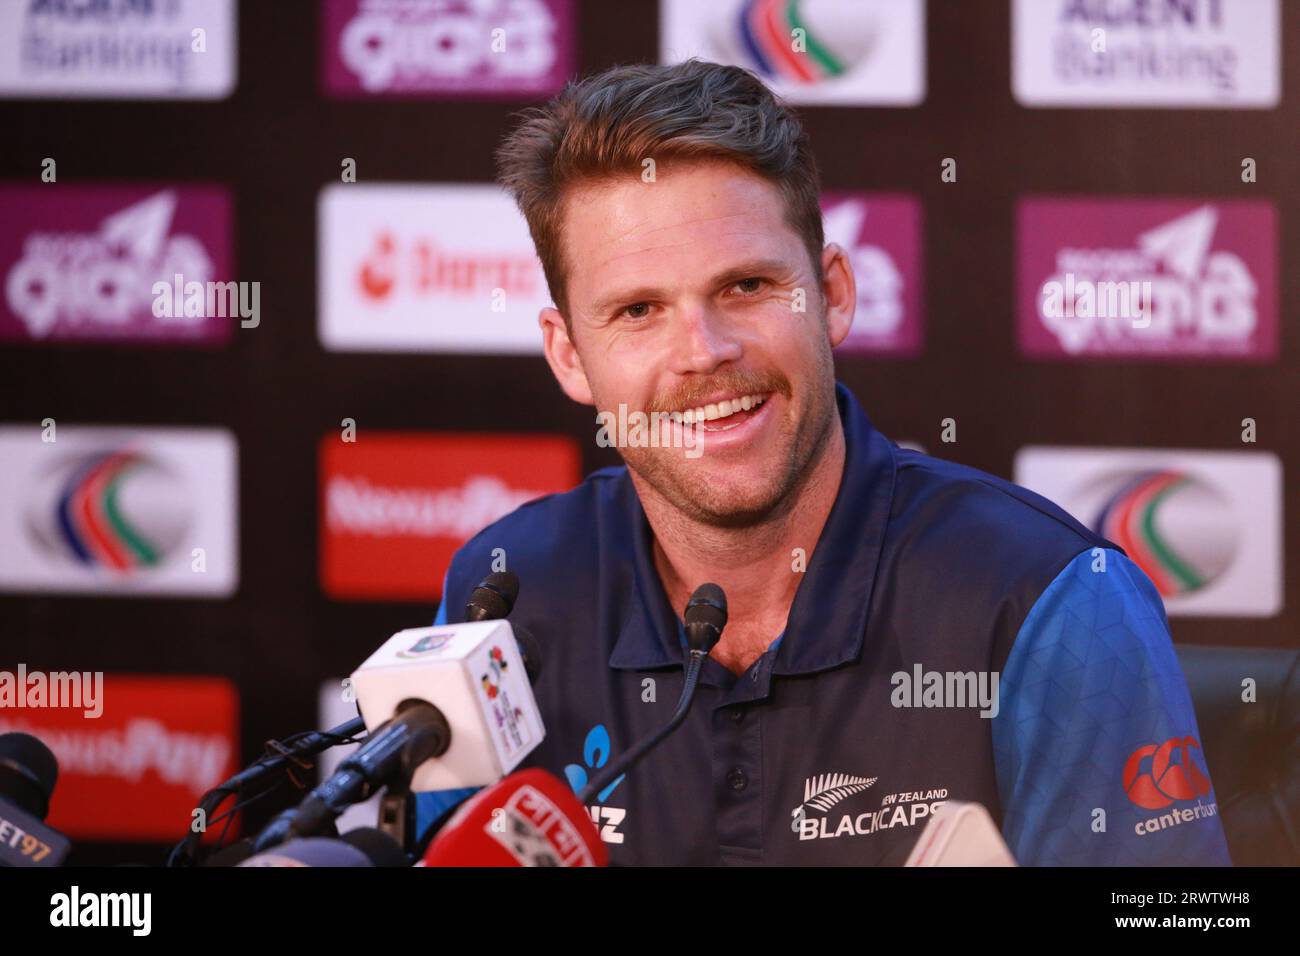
{"x": 724, "y": 409}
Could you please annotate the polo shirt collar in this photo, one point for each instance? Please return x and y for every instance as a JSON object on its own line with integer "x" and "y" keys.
{"x": 828, "y": 619}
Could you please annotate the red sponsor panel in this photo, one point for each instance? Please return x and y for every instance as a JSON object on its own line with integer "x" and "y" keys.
{"x": 395, "y": 507}
{"x": 136, "y": 772}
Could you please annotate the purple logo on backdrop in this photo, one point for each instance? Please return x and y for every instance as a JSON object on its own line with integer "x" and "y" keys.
{"x": 881, "y": 233}
{"x": 78, "y": 263}
{"x": 1148, "y": 278}
{"x": 447, "y": 48}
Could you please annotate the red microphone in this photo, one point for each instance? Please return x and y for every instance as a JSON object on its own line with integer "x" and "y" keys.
{"x": 530, "y": 818}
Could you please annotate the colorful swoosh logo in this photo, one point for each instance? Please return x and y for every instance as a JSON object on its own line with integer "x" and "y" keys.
{"x": 1129, "y": 518}
{"x": 92, "y": 524}
{"x": 766, "y": 28}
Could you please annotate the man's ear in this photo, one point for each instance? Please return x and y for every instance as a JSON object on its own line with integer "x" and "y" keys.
{"x": 562, "y": 356}
{"x": 840, "y": 291}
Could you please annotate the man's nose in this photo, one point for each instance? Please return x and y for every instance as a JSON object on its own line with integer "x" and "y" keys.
{"x": 703, "y": 339}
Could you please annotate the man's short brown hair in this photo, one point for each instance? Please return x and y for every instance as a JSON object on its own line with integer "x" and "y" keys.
{"x": 612, "y": 122}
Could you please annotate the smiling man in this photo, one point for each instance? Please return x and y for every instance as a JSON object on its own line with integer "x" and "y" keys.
{"x": 903, "y": 631}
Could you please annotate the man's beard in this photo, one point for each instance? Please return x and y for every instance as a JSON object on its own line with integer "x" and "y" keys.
{"x": 800, "y": 445}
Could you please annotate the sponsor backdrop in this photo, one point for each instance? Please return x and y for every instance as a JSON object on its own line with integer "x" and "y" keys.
{"x": 252, "y": 407}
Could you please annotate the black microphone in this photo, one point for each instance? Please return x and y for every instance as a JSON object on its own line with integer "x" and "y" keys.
{"x": 393, "y": 750}
{"x": 284, "y": 757}
{"x": 705, "y": 617}
{"x": 494, "y": 598}
{"x": 28, "y": 773}
{"x": 418, "y": 732}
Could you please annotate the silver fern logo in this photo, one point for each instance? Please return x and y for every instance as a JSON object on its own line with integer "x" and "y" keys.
{"x": 825, "y": 790}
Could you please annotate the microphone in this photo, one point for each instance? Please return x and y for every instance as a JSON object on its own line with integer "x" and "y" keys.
{"x": 28, "y": 772}
{"x": 494, "y": 598}
{"x": 285, "y": 755}
{"x": 401, "y": 750}
{"x": 417, "y": 733}
{"x": 366, "y": 847}
{"x": 531, "y": 818}
{"x": 484, "y": 724}
{"x": 476, "y": 676}
{"x": 705, "y": 617}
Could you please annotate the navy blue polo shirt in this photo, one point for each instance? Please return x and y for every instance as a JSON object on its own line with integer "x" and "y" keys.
{"x": 953, "y": 637}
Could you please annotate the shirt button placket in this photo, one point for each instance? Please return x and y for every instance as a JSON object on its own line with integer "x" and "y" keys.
{"x": 737, "y": 763}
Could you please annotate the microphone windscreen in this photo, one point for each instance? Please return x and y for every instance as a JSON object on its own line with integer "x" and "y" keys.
{"x": 28, "y": 773}
{"x": 531, "y": 818}
{"x": 380, "y": 849}
{"x": 232, "y": 855}
{"x": 311, "y": 851}
{"x": 494, "y": 598}
{"x": 705, "y": 617}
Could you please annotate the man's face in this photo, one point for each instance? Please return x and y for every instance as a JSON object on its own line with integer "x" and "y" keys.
{"x": 692, "y": 292}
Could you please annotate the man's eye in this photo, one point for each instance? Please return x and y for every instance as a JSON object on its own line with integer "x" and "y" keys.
{"x": 749, "y": 286}
{"x": 638, "y": 311}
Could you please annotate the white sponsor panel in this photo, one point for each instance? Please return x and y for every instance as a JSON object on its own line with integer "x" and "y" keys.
{"x": 116, "y": 49}
{"x": 1205, "y": 526}
{"x": 1140, "y": 53}
{"x": 845, "y": 52}
{"x": 427, "y": 268}
{"x": 118, "y": 510}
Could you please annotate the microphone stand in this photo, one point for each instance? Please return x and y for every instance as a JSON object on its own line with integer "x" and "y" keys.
{"x": 705, "y": 617}
{"x": 611, "y": 772}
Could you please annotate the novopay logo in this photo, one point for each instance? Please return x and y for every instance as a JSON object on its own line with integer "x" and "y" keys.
{"x": 395, "y": 507}
{"x": 1204, "y": 526}
{"x": 135, "y": 773}
{"x": 137, "y": 511}
{"x": 1167, "y": 279}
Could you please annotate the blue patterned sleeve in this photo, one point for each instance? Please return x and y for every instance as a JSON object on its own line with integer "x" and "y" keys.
{"x": 1096, "y": 746}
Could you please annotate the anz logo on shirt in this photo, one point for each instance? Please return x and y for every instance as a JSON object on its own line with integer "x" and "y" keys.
{"x": 595, "y": 754}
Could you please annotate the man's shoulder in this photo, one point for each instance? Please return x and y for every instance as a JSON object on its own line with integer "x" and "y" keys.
{"x": 962, "y": 501}
{"x": 541, "y": 533}
{"x": 984, "y": 542}
{"x": 989, "y": 546}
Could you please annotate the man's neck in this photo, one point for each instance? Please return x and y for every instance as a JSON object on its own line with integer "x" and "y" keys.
{"x": 758, "y": 566}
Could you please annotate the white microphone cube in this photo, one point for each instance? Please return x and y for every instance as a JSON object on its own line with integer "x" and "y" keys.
{"x": 475, "y": 675}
